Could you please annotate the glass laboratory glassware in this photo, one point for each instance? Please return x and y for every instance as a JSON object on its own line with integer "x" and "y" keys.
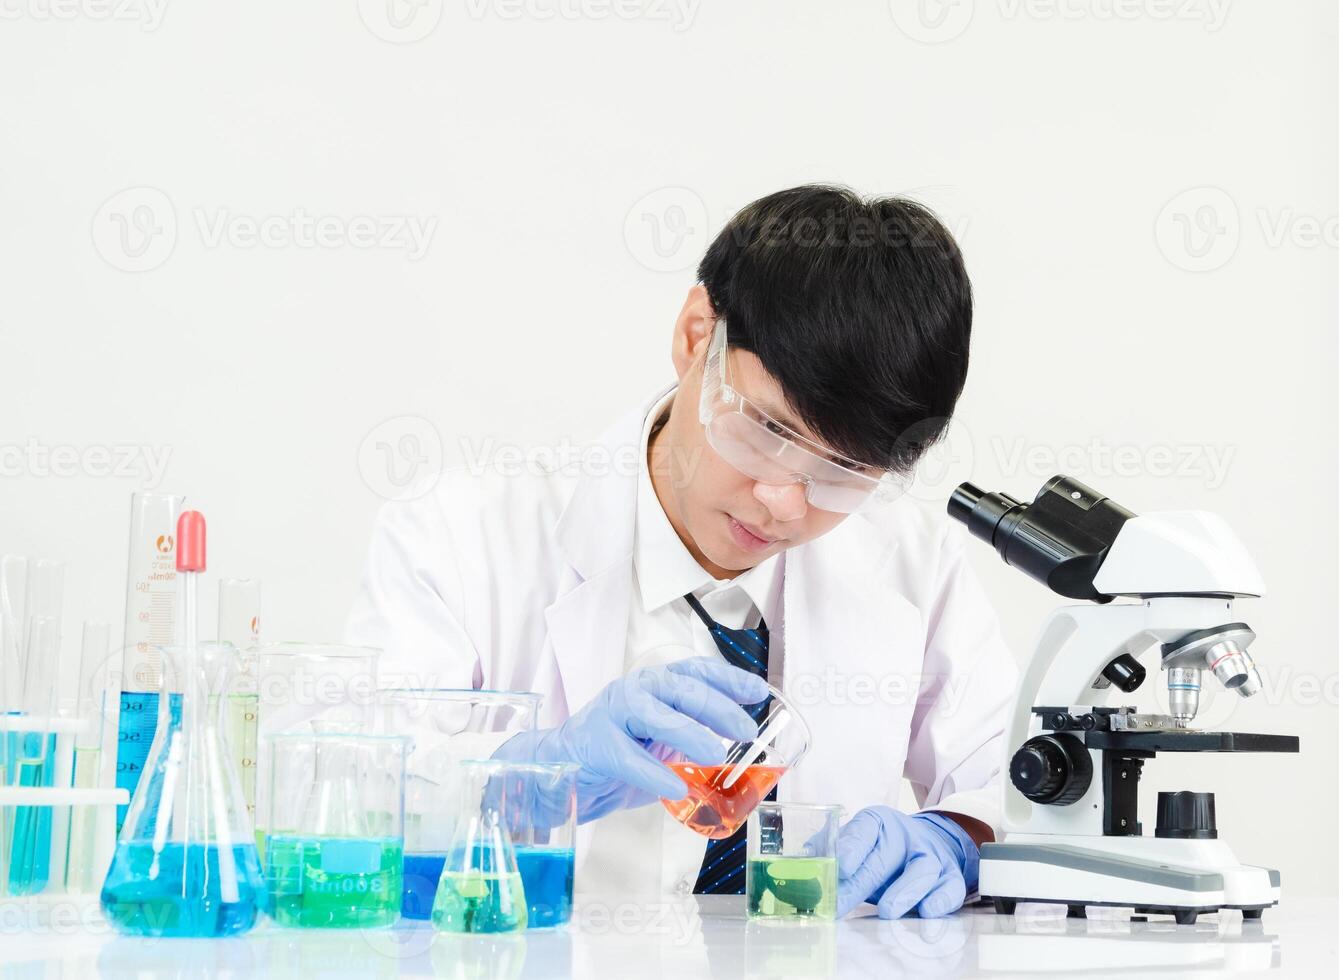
{"x": 150, "y": 625}
{"x": 301, "y": 684}
{"x": 447, "y": 726}
{"x": 720, "y": 798}
{"x": 33, "y": 758}
{"x": 792, "y": 861}
{"x": 541, "y": 811}
{"x": 89, "y": 714}
{"x": 335, "y": 846}
{"x": 480, "y": 888}
{"x": 239, "y": 624}
{"x": 186, "y": 863}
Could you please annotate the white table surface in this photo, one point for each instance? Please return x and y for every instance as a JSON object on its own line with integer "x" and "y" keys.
{"x": 707, "y": 938}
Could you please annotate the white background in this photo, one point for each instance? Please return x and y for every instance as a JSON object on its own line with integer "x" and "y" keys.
{"x": 1145, "y": 192}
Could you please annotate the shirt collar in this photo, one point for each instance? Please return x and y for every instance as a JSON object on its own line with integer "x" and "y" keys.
{"x": 665, "y": 568}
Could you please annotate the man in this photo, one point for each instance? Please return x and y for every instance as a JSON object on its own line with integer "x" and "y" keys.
{"x": 757, "y": 534}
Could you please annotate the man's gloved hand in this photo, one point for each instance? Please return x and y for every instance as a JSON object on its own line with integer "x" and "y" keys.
{"x": 925, "y": 862}
{"x": 676, "y": 706}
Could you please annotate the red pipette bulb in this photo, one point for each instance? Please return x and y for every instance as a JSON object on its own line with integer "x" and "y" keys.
{"x": 191, "y": 541}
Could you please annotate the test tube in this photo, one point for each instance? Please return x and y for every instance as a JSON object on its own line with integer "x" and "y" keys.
{"x": 34, "y": 759}
{"x": 239, "y": 624}
{"x": 90, "y": 705}
{"x": 13, "y": 579}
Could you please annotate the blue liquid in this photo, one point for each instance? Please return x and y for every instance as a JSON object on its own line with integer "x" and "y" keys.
{"x": 421, "y": 874}
{"x": 182, "y": 894}
{"x": 135, "y": 730}
{"x": 547, "y": 874}
{"x": 34, "y": 764}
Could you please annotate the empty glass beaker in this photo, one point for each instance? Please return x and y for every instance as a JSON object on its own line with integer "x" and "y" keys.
{"x": 720, "y": 798}
{"x": 301, "y": 683}
{"x": 335, "y": 845}
{"x": 481, "y": 887}
{"x": 447, "y": 727}
{"x": 792, "y": 860}
{"x": 186, "y": 863}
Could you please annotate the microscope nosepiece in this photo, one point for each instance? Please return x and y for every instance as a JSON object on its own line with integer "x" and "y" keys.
{"x": 1234, "y": 668}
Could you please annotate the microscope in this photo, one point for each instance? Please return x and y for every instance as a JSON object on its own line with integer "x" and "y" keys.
{"x": 1071, "y": 830}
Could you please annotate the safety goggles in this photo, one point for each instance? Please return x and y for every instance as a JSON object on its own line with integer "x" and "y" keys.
{"x": 768, "y": 451}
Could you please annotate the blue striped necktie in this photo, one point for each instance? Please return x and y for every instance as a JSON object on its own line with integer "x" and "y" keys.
{"x": 723, "y": 866}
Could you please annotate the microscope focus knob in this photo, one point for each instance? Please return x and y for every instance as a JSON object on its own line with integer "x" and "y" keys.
{"x": 1187, "y": 814}
{"x": 1052, "y": 769}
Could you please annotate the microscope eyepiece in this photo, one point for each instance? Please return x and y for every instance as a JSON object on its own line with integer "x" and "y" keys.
{"x": 1060, "y": 539}
{"x": 980, "y": 511}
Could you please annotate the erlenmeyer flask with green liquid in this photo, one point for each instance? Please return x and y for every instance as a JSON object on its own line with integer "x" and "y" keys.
{"x": 480, "y": 889}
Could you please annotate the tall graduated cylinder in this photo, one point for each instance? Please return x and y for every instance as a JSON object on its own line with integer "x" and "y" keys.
{"x": 186, "y": 862}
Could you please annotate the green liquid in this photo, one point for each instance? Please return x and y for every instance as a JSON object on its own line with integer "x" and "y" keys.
{"x": 242, "y": 724}
{"x": 792, "y": 886}
{"x": 334, "y": 882}
{"x": 479, "y": 901}
{"x": 80, "y": 848}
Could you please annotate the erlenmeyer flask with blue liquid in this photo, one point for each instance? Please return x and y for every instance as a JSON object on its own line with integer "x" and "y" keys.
{"x": 186, "y": 861}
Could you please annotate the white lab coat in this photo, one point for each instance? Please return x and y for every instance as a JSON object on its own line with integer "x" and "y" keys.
{"x": 506, "y": 580}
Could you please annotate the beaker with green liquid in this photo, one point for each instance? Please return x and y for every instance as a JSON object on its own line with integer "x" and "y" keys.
{"x": 334, "y": 850}
{"x": 791, "y": 870}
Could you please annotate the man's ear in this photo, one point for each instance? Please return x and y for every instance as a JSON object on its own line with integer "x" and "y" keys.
{"x": 692, "y": 330}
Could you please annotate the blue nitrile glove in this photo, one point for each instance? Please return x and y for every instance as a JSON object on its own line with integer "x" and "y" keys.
{"x": 612, "y": 737}
{"x": 925, "y": 862}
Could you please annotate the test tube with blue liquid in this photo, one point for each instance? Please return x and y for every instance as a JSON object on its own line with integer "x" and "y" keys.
{"x": 34, "y": 758}
{"x": 447, "y": 725}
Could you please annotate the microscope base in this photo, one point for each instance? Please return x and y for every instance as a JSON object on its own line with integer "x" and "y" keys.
{"x": 1148, "y": 874}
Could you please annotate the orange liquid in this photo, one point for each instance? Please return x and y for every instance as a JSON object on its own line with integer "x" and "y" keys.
{"x": 716, "y": 812}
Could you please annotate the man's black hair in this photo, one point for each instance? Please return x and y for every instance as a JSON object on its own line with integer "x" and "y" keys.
{"x": 860, "y": 309}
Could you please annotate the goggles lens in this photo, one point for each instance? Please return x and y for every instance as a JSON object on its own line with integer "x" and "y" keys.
{"x": 765, "y": 450}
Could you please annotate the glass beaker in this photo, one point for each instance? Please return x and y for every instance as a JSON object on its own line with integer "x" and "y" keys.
{"x": 720, "y": 798}
{"x": 335, "y": 845}
{"x": 792, "y": 861}
{"x": 481, "y": 887}
{"x": 185, "y": 863}
{"x": 447, "y": 726}
{"x": 541, "y": 810}
{"x": 304, "y": 683}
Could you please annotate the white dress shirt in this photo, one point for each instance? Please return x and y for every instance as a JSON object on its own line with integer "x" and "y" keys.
{"x": 662, "y": 628}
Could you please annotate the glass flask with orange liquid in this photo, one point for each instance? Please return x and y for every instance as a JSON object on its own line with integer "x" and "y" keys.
{"x": 720, "y": 798}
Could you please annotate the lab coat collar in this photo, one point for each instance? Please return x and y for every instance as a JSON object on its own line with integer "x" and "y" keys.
{"x": 595, "y": 529}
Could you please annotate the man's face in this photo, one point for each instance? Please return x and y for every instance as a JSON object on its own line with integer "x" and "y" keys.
{"x": 730, "y": 521}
